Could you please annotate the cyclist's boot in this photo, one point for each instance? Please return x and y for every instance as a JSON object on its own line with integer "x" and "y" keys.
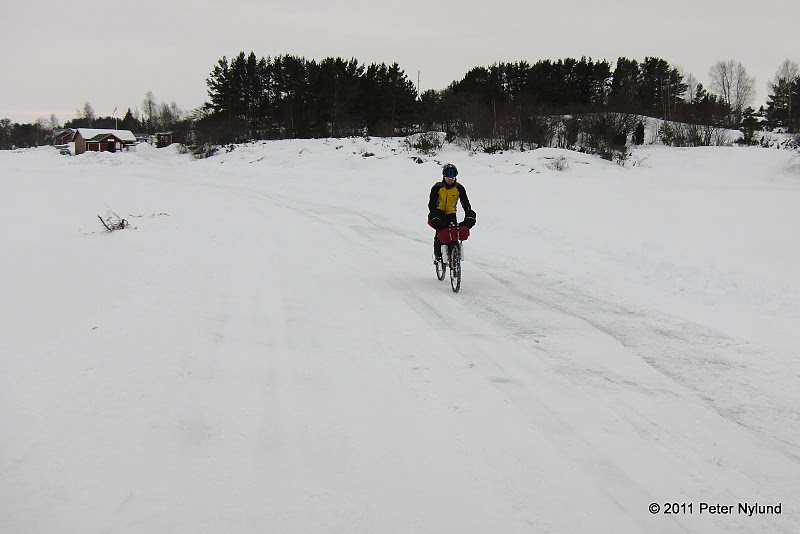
{"x": 437, "y": 251}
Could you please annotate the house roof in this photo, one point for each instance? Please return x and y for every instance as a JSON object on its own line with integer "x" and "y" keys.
{"x": 93, "y": 134}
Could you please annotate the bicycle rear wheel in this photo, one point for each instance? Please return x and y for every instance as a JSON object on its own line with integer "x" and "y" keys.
{"x": 455, "y": 267}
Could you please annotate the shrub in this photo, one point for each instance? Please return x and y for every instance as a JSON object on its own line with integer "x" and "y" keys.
{"x": 622, "y": 156}
{"x": 204, "y": 150}
{"x": 558, "y": 164}
{"x": 427, "y": 143}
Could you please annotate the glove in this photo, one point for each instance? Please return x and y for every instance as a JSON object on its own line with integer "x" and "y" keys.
{"x": 469, "y": 219}
{"x": 438, "y": 223}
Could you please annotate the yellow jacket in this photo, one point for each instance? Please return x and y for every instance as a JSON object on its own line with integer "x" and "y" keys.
{"x": 444, "y": 198}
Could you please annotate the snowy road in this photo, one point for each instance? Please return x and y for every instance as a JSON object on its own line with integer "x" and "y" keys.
{"x": 270, "y": 351}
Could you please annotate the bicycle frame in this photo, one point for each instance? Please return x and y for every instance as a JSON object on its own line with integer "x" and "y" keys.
{"x": 454, "y": 248}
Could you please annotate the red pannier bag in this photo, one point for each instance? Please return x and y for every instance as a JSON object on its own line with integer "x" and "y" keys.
{"x": 447, "y": 235}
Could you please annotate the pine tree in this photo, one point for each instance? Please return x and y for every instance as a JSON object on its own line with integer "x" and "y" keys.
{"x": 638, "y": 134}
{"x": 625, "y": 87}
{"x": 783, "y": 102}
{"x": 661, "y": 88}
{"x": 129, "y": 122}
{"x": 749, "y": 126}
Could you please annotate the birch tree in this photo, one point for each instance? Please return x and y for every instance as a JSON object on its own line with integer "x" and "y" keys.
{"x": 729, "y": 80}
{"x": 88, "y": 114}
{"x": 149, "y": 108}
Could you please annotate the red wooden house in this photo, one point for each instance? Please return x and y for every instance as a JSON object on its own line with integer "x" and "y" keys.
{"x": 102, "y": 140}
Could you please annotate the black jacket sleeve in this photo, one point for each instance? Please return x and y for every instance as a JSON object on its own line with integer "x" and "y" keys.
{"x": 462, "y": 195}
{"x": 469, "y": 214}
{"x": 433, "y": 202}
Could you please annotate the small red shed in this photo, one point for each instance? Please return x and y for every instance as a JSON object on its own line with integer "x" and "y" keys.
{"x": 163, "y": 139}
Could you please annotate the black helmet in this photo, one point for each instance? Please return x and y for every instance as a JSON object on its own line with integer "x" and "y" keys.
{"x": 449, "y": 171}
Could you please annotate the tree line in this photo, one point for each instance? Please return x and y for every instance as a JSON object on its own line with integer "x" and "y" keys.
{"x": 509, "y": 103}
{"x": 289, "y": 96}
{"x": 548, "y": 103}
{"x": 157, "y": 116}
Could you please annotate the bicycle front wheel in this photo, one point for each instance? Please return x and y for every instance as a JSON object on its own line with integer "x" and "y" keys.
{"x": 441, "y": 267}
{"x": 455, "y": 268}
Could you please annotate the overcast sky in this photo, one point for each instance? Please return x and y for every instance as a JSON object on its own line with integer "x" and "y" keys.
{"x": 57, "y": 55}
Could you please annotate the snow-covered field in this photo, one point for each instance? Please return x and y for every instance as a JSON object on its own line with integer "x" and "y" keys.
{"x": 267, "y": 348}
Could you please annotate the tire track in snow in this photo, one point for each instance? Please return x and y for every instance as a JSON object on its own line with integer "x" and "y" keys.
{"x": 684, "y": 352}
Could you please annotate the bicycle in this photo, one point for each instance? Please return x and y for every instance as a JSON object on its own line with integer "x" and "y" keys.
{"x": 452, "y": 238}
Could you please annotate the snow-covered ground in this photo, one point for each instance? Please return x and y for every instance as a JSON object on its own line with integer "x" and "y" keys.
{"x": 267, "y": 348}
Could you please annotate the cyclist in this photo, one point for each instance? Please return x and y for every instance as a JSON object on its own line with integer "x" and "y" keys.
{"x": 442, "y": 206}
